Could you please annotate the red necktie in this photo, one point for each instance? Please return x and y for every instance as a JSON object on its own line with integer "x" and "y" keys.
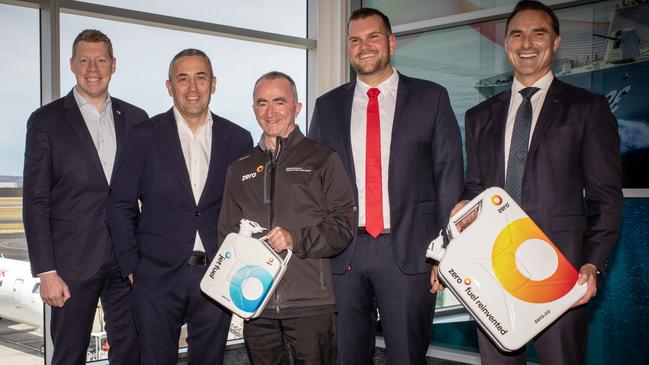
{"x": 373, "y": 194}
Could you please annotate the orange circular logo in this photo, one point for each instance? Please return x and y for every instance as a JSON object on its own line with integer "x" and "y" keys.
{"x": 503, "y": 258}
{"x": 496, "y": 200}
{"x": 260, "y": 168}
{"x": 467, "y": 281}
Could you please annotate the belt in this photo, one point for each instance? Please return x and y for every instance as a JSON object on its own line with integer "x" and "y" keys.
{"x": 364, "y": 231}
{"x": 198, "y": 259}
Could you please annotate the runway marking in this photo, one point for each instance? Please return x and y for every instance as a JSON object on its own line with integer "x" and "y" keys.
{"x": 14, "y": 243}
{"x": 16, "y": 343}
{"x": 19, "y": 329}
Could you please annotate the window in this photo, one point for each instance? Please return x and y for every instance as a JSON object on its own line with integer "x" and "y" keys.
{"x": 404, "y": 12}
{"x": 143, "y": 54}
{"x": 20, "y": 95}
{"x": 278, "y": 16}
{"x": 470, "y": 62}
{"x": 20, "y": 89}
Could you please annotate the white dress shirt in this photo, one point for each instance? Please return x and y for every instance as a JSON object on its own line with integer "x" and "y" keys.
{"x": 101, "y": 126}
{"x": 516, "y": 99}
{"x": 197, "y": 149}
{"x": 387, "y": 104}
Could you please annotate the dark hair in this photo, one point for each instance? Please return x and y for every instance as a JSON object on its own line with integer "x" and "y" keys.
{"x": 534, "y": 5}
{"x": 187, "y": 53}
{"x": 92, "y": 36}
{"x": 363, "y": 13}
{"x": 273, "y": 75}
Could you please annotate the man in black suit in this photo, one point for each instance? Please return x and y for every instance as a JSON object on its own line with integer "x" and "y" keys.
{"x": 70, "y": 151}
{"x": 400, "y": 143}
{"x": 555, "y": 150}
{"x": 177, "y": 175}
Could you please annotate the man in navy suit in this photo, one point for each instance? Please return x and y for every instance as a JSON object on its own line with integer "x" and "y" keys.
{"x": 70, "y": 151}
{"x": 565, "y": 174}
{"x": 177, "y": 175}
{"x": 400, "y": 144}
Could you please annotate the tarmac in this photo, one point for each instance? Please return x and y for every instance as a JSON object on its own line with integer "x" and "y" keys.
{"x": 20, "y": 344}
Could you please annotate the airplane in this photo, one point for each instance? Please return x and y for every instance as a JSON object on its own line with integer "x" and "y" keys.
{"x": 20, "y": 299}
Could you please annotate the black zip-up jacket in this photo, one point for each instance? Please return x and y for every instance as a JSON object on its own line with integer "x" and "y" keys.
{"x": 302, "y": 187}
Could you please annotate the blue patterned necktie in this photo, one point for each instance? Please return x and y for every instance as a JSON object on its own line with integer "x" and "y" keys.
{"x": 518, "y": 148}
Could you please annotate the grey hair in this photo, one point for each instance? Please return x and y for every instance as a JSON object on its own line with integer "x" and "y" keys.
{"x": 273, "y": 75}
{"x": 187, "y": 53}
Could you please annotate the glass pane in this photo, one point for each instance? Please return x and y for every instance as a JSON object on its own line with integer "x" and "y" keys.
{"x": 470, "y": 61}
{"x": 21, "y": 308}
{"x": 20, "y": 89}
{"x": 278, "y": 16}
{"x": 142, "y": 70}
{"x": 404, "y": 12}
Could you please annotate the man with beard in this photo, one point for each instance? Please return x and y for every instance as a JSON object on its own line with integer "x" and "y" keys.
{"x": 400, "y": 144}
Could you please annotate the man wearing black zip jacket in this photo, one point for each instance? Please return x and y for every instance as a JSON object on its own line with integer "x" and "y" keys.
{"x": 298, "y": 189}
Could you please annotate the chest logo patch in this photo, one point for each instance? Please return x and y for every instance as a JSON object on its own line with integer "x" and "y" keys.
{"x": 297, "y": 169}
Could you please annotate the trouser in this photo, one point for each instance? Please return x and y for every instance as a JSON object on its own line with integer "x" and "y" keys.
{"x": 404, "y": 302}
{"x": 564, "y": 342}
{"x": 71, "y": 324}
{"x": 159, "y": 318}
{"x": 310, "y": 340}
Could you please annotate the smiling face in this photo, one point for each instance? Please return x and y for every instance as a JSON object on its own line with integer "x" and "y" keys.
{"x": 369, "y": 48}
{"x": 93, "y": 67}
{"x": 275, "y": 108}
{"x": 530, "y": 44}
{"x": 191, "y": 85}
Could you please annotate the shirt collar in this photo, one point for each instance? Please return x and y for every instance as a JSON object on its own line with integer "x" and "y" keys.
{"x": 292, "y": 139}
{"x": 182, "y": 124}
{"x": 389, "y": 84}
{"x": 85, "y": 104}
{"x": 543, "y": 84}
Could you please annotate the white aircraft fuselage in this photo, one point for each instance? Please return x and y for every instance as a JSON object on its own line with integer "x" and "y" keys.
{"x": 20, "y": 299}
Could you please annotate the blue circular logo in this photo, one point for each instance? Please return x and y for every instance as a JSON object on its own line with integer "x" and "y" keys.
{"x": 249, "y": 287}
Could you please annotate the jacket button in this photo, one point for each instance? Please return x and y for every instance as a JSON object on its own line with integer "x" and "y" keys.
{"x": 197, "y": 214}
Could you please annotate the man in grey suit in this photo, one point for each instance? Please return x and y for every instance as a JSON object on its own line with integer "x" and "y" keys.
{"x": 555, "y": 150}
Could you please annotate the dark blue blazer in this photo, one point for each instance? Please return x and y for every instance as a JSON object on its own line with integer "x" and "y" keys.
{"x": 572, "y": 180}
{"x": 65, "y": 191}
{"x": 426, "y": 167}
{"x": 155, "y": 242}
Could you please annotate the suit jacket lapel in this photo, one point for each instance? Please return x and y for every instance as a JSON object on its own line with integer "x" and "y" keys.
{"x": 346, "y": 121}
{"x": 75, "y": 119}
{"x": 400, "y": 111}
{"x": 499, "y": 119}
{"x": 120, "y": 124}
{"x": 220, "y": 145}
{"x": 120, "y": 130}
{"x": 172, "y": 152}
{"x": 548, "y": 113}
